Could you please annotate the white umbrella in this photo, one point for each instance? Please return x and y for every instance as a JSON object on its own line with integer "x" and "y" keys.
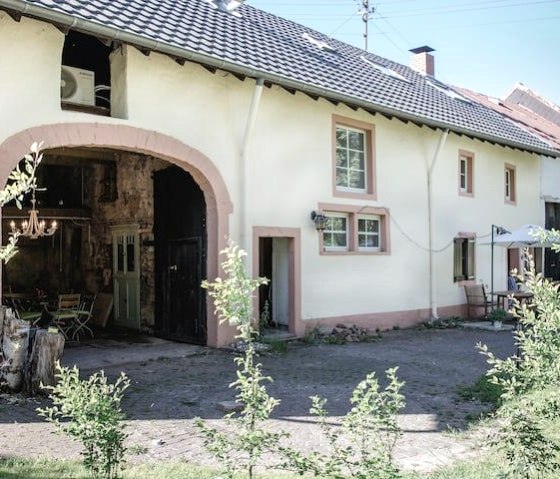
{"x": 524, "y": 237}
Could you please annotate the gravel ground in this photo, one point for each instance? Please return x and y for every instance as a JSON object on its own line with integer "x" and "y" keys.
{"x": 168, "y": 392}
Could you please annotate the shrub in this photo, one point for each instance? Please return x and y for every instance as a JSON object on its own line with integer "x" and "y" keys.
{"x": 362, "y": 446}
{"x": 93, "y": 410}
{"x": 530, "y": 381}
{"x": 242, "y": 444}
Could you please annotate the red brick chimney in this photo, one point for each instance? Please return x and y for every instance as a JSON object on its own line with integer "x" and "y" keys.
{"x": 422, "y": 61}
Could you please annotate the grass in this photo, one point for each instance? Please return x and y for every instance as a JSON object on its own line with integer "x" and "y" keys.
{"x": 11, "y": 468}
{"x": 482, "y": 390}
{"x": 488, "y": 467}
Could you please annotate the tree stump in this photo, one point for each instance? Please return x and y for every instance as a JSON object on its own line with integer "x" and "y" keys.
{"x": 47, "y": 350}
{"x": 14, "y": 337}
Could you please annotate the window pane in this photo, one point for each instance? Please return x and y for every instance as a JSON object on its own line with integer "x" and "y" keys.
{"x": 130, "y": 260}
{"x": 341, "y": 138}
{"x": 337, "y": 224}
{"x": 327, "y": 239}
{"x": 339, "y": 239}
{"x": 356, "y": 179}
{"x": 356, "y": 140}
{"x": 342, "y": 158}
{"x": 341, "y": 177}
{"x": 120, "y": 255}
{"x": 356, "y": 160}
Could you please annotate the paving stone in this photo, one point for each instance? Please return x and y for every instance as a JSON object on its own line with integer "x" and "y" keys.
{"x": 161, "y": 406}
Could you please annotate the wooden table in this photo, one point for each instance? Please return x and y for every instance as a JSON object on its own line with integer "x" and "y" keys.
{"x": 503, "y": 296}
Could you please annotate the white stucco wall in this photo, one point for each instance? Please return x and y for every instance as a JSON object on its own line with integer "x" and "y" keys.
{"x": 289, "y": 168}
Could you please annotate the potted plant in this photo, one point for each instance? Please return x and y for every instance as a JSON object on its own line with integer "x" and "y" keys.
{"x": 497, "y": 317}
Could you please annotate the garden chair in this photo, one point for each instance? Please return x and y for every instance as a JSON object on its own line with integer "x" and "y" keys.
{"x": 83, "y": 315}
{"x": 65, "y": 318}
{"x": 477, "y": 299}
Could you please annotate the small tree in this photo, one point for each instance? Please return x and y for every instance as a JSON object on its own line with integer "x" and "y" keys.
{"x": 530, "y": 381}
{"x": 93, "y": 410}
{"x": 362, "y": 447}
{"x": 21, "y": 181}
{"x": 241, "y": 445}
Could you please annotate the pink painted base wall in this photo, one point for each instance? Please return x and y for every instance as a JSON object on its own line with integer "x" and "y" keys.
{"x": 389, "y": 320}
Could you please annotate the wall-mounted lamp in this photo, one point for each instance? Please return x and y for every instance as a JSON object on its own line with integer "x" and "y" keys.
{"x": 320, "y": 220}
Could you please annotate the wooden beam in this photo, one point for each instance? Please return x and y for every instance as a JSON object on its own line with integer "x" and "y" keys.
{"x": 15, "y": 16}
{"x": 64, "y": 29}
{"x": 210, "y": 69}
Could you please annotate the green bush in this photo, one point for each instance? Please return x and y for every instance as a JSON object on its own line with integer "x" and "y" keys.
{"x": 246, "y": 438}
{"x": 530, "y": 384}
{"x": 362, "y": 446}
{"x": 90, "y": 411}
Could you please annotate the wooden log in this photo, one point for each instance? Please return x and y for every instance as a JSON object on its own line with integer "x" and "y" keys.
{"x": 46, "y": 351}
{"x": 14, "y": 337}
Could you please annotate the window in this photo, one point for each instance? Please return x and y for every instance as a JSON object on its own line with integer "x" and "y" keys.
{"x": 335, "y": 235}
{"x": 368, "y": 233}
{"x": 466, "y": 173}
{"x": 353, "y": 165}
{"x": 355, "y": 230}
{"x": 463, "y": 261}
{"x": 350, "y": 159}
{"x": 510, "y": 193}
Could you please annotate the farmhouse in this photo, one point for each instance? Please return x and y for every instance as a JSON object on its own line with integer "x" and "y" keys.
{"x": 359, "y": 186}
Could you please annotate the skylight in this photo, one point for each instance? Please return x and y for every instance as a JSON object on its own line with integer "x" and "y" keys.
{"x": 228, "y": 6}
{"x": 385, "y": 70}
{"x": 318, "y": 43}
{"x": 448, "y": 91}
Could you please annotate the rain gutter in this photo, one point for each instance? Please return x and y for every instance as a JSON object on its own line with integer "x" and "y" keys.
{"x": 244, "y": 158}
{"x": 114, "y": 34}
{"x": 432, "y": 270}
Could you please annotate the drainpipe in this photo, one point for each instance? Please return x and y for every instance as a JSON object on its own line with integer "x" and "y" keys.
{"x": 243, "y": 190}
{"x": 433, "y": 284}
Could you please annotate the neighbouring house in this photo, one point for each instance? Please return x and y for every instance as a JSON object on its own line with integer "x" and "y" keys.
{"x": 542, "y": 118}
{"x": 358, "y": 185}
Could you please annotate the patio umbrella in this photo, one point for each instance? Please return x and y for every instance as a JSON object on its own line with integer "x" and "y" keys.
{"x": 523, "y": 237}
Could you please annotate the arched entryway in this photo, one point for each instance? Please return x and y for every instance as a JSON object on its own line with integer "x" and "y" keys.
{"x": 124, "y": 138}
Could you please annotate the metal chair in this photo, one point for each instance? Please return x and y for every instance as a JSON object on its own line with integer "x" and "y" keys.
{"x": 83, "y": 315}
{"x": 65, "y": 318}
{"x": 477, "y": 298}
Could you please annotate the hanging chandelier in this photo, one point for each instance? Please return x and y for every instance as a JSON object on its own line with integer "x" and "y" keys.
{"x": 33, "y": 228}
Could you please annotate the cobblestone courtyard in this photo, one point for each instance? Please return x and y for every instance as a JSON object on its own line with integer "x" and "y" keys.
{"x": 168, "y": 392}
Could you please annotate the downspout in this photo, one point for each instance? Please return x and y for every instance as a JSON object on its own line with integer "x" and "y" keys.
{"x": 243, "y": 190}
{"x": 433, "y": 283}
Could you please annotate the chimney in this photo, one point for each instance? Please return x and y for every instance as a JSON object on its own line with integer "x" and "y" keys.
{"x": 422, "y": 61}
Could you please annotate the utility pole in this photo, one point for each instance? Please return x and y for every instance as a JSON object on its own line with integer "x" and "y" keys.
{"x": 366, "y": 11}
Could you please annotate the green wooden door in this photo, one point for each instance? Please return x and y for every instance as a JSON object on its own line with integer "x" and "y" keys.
{"x": 126, "y": 276}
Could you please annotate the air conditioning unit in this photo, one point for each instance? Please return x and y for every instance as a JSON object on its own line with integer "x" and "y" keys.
{"x": 77, "y": 86}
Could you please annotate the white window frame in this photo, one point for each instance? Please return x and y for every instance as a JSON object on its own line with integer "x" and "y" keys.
{"x": 366, "y": 233}
{"x": 364, "y": 152}
{"x": 463, "y": 174}
{"x": 328, "y": 231}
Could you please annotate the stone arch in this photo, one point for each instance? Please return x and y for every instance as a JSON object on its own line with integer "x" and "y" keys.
{"x": 147, "y": 142}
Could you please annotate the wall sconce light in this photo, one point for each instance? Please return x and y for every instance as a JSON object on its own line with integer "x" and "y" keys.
{"x": 320, "y": 220}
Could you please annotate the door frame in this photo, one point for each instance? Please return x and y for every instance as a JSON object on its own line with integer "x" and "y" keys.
{"x": 115, "y": 231}
{"x": 295, "y": 324}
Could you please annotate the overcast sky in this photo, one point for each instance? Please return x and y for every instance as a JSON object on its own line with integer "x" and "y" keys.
{"x": 486, "y": 46}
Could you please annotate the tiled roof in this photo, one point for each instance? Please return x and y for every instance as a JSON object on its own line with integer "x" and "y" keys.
{"x": 265, "y": 45}
{"x": 535, "y": 123}
{"x": 525, "y": 97}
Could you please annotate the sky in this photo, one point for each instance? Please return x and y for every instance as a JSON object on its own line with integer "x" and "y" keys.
{"x": 486, "y": 46}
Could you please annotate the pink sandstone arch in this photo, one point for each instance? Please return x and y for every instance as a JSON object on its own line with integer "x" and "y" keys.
{"x": 137, "y": 140}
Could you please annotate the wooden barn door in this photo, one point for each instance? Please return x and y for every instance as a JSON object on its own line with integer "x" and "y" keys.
{"x": 180, "y": 256}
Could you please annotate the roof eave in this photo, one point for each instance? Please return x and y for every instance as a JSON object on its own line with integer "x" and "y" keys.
{"x": 115, "y": 34}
